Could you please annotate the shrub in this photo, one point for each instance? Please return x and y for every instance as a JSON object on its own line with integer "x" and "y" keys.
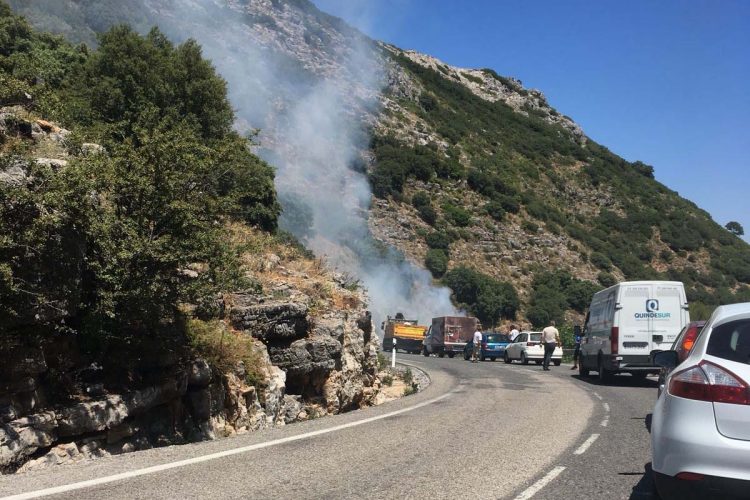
{"x": 600, "y": 261}
{"x": 456, "y": 215}
{"x": 436, "y": 261}
{"x": 420, "y": 199}
{"x": 606, "y": 279}
{"x": 487, "y": 298}
{"x": 438, "y": 240}
{"x": 495, "y": 210}
{"x": 428, "y": 214}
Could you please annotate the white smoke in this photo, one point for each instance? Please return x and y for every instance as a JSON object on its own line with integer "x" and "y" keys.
{"x": 313, "y": 125}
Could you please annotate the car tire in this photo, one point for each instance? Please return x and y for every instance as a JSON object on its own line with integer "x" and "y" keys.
{"x": 507, "y": 359}
{"x": 557, "y": 362}
{"x": 524, "y": 359}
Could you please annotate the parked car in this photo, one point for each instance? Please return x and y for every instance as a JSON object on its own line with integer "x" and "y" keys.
{"x": 493, "y": 346}
{"x": 683, "y": 344}
{"x": 700, "y": 431}
{"x": 528, "y": 347}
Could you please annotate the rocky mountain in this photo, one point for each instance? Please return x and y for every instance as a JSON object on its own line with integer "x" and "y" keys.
{"x": 471, "y": 172}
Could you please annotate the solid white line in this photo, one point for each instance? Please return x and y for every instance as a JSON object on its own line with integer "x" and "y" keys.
{"x": 534, "y": 488}
{"x": 606, "y": 406}
{"x": 213, "y": 456}
{"x": 585, "y": 446}
{"x": 598, "y": 396}
{"x": 605, "y": 422}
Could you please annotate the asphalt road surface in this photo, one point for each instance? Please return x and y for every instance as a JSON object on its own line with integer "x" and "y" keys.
{"x": 484, "y": 430}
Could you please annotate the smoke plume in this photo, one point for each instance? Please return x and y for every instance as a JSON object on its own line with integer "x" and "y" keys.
{"x": 313, "y": 95}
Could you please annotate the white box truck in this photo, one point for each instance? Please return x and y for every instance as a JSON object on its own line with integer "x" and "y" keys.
{"x": 625, "y": 322}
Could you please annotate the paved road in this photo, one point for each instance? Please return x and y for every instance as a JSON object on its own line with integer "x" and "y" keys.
{"x": 485, "y": 430}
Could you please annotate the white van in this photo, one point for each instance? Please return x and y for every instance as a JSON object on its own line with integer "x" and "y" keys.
{"x": 626, "y": 322}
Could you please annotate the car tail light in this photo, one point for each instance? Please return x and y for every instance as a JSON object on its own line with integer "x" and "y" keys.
{"x": 615, "y": 340}
{"x": 687, "y": 343}
{"x": 709, "y": 382}
{"x": 529, "y": 344}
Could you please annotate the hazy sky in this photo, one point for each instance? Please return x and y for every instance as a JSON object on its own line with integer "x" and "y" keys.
{"x": 666, "y": 82}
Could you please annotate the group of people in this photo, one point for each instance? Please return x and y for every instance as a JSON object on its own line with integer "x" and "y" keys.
{"x": 550, "y": 340}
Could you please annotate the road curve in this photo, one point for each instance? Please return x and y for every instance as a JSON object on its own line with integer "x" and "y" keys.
{"x": 484, "y": 430}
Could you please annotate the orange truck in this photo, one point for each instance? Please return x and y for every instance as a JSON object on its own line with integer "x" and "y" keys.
{"x": 408, "y": 334}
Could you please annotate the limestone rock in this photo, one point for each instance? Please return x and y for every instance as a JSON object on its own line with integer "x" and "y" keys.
{"x": 273, "y": 321}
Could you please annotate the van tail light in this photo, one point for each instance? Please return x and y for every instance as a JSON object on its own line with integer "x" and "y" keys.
{"x": 709, "y": 382}
{"x": 615, "y": 340}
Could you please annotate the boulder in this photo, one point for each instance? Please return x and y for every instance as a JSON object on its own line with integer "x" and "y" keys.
{"x": 93, "y": 416}
{"x": 199, "y": 374}
{"x": 272, "y": 321}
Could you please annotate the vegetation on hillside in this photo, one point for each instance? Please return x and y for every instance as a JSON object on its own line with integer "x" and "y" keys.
{"x": 519, "y": 164}
{"x": 116, "y": 245}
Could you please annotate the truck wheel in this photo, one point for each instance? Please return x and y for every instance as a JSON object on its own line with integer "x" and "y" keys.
{"x": 582, "y": 371}
{"x": 557, "y": 362}
{"x": 450, "y": 355}
{"x": 507, "y": 359}
{"x": 524, "y": 359}
{"x": 425, "y": 353}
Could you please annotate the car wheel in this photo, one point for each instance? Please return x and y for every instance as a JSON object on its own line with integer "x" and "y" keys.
{"x": 557, "y": 362}
{"x": 604, "y": 374}
{"x": 524, "y": 359}
{"x": 506, "y": 358}
{"x": 425, "y": 353}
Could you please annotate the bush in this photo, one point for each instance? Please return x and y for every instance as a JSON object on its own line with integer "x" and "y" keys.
{"x": 488, "y": 299}
{"x": 456, "y": 215}
{"x": 495, "y": 210}
{"x": 427, "y": 214}
{"x": 420, "y": 199}
{"x": 606, "y": 279}
{"x": 436, "y": 261}
{"x": 438, "y": 240}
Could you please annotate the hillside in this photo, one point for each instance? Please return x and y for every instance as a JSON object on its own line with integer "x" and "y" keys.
{"x": 474, "y": 176}
{"x": 148, "y": 297}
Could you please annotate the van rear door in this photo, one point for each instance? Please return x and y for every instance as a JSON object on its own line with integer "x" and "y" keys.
{"x": 667, "y": 314}
{"x": 634, "y": 326}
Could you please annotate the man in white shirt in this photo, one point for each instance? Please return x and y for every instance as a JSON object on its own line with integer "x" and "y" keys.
{"x": 513, "y": 333}
{"x": 477, "y": 346}
{"x": 550, "y": 340}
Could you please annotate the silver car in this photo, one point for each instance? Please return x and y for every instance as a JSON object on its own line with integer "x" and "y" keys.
{"x": 700, "y": 431}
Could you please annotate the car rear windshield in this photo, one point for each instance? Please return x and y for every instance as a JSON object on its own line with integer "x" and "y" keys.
{"x": 496, "y": 338}
{"x": 535, "y": 337}
{"x": 731, "y": 341}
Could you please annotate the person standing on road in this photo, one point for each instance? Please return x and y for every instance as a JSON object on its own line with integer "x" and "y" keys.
{"x": 477, "y": 346}
{"x": 513, "y": 333}
{"x": 577, "y": 336}
{"x": 550, "y": 340}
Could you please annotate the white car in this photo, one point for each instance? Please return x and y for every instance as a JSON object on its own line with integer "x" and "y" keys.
{"x": 700, "y": 431}
{"x": 528, "y": 347}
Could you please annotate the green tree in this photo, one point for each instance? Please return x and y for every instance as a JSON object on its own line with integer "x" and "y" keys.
{"x": 735, "y": 228}
{"x": 436, "y": 262}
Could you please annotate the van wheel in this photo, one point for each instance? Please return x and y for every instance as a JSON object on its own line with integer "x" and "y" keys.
{"x": 524, "y": 360}
{"x": 506, "y": 358}
{"x": 604, "y": 374}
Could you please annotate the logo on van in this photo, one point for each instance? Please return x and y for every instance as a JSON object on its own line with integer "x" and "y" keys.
{"x": 652, "y": 311}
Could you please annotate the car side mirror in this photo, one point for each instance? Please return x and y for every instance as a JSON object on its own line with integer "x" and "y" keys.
{"x": 666, "y": 359}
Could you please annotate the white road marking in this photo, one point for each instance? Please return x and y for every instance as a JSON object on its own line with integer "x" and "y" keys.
{"x": 598, "y": 396}
{"x": 605, "y": 422}
{"x": 585, "y": 446}
{"x": 534, "y": 488}
{"x": 606, "y": 406}
{"x": 213, "y": 456}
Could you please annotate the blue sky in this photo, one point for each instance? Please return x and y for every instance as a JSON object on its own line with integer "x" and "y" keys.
{"x": 666, "y": 82}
